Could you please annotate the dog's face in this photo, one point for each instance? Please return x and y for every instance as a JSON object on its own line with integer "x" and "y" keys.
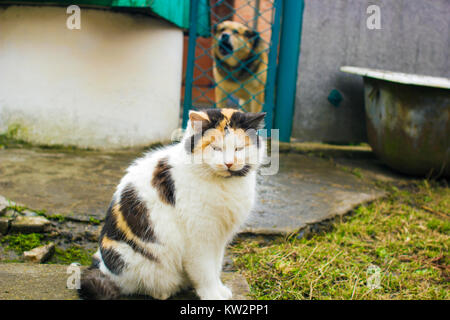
{"x": 234, "y": 42}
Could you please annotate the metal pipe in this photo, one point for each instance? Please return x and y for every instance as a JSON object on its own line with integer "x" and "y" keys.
{"x": 291, "y": 31}
{"x": 256, "y": 15}
{"x": 187, "y": 103}
{"x": 269, "y": 103}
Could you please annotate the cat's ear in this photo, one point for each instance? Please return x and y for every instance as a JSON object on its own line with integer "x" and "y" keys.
{"x": 254, "y": 120}
{"x": 198, "y": 119}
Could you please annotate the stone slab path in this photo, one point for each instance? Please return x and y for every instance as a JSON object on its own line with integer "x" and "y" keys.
{"x": 20, "y": 281}
{"x": 79, "y": 185}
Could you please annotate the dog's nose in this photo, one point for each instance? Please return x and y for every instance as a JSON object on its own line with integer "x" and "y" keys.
{"x": 225, "y": 37}
{"x": 228, "y": 165}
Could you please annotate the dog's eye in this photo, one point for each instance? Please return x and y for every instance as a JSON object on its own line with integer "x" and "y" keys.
{"x": 216, "y": 148}
{"x": 239, "y": 149}
{"x": 235, "y": 32}
{"x": 249, "y": 34}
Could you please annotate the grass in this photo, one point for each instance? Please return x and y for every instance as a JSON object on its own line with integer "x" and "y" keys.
{"x": 400, "y": 242}
{"x": 94, "y": 221}
{"x": 72, "y": 254}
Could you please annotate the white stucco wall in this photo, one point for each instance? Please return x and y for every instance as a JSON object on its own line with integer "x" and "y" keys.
{"x": 114, "y": 83}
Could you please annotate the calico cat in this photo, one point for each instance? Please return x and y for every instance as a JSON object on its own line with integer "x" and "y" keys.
{"x": 176, "y": 209}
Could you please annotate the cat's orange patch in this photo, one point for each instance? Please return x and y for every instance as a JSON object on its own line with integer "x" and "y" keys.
{"x": 123, "y": 225}
{"x": 228, "y": 113}
{"x": 108, "y": 243}
{"x": 132, "y": 240}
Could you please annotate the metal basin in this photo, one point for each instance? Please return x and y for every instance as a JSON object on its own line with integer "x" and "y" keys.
{"x": 408, "y": 120}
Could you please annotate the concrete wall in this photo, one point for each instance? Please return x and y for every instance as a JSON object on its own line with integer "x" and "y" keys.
{"x": 114, "y": 83}
{"x": 414, "y": 38}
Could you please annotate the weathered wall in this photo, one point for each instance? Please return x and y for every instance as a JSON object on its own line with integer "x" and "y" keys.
{"x": 114, "y": 83}
{"x": 414, "y": 38}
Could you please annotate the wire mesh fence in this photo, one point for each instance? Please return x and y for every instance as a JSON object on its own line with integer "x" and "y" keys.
{"x": 230, "y": 67}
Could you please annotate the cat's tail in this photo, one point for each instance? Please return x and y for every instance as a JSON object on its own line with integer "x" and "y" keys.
{"x": 95, "y": 285}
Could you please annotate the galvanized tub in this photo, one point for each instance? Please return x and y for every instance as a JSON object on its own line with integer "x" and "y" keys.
{"x": 408, "y": 120}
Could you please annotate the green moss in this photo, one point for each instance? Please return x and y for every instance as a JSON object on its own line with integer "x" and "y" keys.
{"x": 13, "y": 130}
{"x": 56, "y": 217}
{"x": 7, "y": 141}
{"x": 72, "y": 254}
{"x": 17, "y": 208}
{"x": 355, "y": 171}
{"x": 94, "y": 221}
{"x": 42, "y": 213}
{"x": 11, "y": 261}
{"x": 22, "y": 242}
{"x": 11, "y": 140}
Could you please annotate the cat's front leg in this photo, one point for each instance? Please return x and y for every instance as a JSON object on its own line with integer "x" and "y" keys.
{"x": 224, "y": 290}
{"x": 201, "y": 268}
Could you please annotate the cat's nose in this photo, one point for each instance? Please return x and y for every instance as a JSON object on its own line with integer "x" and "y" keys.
{"x": 228, "y": 165}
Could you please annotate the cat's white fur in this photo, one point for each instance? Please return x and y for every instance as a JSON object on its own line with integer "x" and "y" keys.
{"x": 192, "y": 236}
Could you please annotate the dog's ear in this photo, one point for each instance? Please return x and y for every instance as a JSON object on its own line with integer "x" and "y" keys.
{"x": 253, "y": 36}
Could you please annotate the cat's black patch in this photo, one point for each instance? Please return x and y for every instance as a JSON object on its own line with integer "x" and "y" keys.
{"x": 112, "y": 260}
{"x": 94, "y": 285}
{"x": 162, "y": 181}
{"x": 113, "y": 232}
{"x": 95, "y": 264}
{"x": 110, "y": 228}
{"x": 246, "y": 121}
{"x": 141, "y": 250}
{"x": 241, "y": 173}
{"x": 135, "y": 214}
{"x": 215, "y": 117}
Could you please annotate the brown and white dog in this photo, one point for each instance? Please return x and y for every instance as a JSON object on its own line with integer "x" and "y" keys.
{"x": 240, "y": 65}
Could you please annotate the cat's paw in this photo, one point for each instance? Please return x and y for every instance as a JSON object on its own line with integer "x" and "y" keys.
{"x": 225, "y": 292}
{"x": 210, "y": 294}
{"x": 161, "y": 296}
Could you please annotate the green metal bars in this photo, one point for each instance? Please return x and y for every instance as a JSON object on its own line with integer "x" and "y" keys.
{"x": 187, "y": 105}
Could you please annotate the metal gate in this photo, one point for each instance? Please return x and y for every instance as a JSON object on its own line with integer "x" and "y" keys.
{"x": 237, "y": 62}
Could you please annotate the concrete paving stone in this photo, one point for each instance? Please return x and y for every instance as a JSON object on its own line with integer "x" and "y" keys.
{"x": 39, "y": 254}
{"x": 21, "y": 281}
{"x": 29, "y": 224}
